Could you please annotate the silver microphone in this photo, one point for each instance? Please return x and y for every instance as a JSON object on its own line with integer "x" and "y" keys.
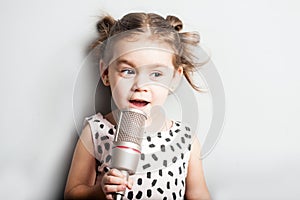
{"x": 127, "y": 143}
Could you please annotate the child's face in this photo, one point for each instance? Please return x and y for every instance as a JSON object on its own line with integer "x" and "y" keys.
{"x": 141, "y": 78}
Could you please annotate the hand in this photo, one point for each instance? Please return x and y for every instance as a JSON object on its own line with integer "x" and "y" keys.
{"x": 114, "y": 181}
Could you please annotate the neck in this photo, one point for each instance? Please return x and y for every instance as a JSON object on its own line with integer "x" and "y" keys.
{"x": 153, "y": 124}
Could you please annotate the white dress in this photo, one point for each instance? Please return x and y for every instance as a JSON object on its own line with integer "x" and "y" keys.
{"x": 163, "y": 164}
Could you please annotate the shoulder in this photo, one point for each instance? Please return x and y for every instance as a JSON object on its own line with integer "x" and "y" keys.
{"x": 184, "y": 133}
{"x": 97, "y": 121}
{"x": 86, "y": 138}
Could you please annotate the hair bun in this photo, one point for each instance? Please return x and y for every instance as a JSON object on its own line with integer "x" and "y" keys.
{"x": 105, "y": 24}
{"x": 175, "y": 22}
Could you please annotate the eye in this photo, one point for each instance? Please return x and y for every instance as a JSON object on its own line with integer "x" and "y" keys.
{"x": 156, "y": 75}
{"x": 127, "y": 73}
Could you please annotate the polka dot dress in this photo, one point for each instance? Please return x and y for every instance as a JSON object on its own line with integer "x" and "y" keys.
{"x": 163, "y": 163}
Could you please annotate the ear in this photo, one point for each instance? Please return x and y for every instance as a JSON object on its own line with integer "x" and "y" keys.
{"x": 179, "y": 71}
{"x": 176, "y": 79}
{"x": 104, "y": 73}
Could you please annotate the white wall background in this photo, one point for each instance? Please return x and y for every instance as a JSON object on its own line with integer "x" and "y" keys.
{"x": 254, "y": 46}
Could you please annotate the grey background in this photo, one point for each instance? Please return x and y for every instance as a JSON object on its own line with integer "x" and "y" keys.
{"x": 254, "y": 46}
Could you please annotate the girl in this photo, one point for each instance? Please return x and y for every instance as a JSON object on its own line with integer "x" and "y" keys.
{"x": 142, "y": 58}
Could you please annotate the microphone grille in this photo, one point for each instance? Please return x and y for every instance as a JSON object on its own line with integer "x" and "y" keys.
{"x": 131, "y": 126}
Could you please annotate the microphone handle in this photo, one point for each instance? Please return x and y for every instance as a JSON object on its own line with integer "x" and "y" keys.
{"x": 119, "y": 195}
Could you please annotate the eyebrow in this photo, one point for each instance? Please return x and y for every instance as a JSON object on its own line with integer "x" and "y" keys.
{"x": 127, "y": 62}
{"x": 124, "y": 61}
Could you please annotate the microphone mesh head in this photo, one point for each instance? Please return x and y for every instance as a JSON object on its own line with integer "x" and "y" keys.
{"x": 131, "y": 126}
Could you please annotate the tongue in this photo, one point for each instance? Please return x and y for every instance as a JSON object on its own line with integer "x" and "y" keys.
{"x": 139, "y": 103}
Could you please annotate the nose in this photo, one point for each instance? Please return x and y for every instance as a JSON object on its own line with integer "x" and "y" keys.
{"x": 141, "y": 84}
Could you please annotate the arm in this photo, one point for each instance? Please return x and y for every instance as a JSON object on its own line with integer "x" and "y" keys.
{"x": 82, "y": 174}
{"x": 195, "y": 182}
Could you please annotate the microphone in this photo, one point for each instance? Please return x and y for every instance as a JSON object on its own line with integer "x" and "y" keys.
{"x": 127, "y": 143}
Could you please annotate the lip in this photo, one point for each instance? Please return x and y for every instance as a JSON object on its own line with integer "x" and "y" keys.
{"x": 138, "y": 103}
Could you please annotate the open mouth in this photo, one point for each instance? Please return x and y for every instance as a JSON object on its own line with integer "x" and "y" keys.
{"x": 139, "y": 103}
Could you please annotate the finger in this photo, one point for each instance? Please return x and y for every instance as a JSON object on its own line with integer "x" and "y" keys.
{"x": 115, "y": 172}
{"x": 113, "y": 180}
{"x": 130, "y": 183}
{"x": 113, "y": 188}
{"x": 109, "y": 197}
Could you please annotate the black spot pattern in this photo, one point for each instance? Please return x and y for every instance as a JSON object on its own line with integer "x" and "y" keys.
{"x": 111, "y": 131}
{"x": 172, "y": 148}
{"x": 174, "y": 195}
{"x": 182, "y": 140}
{"x": 178, "y": 145}
{"x": 154, "y": 157}
{"x": 160, "y": 172}
{"x": 130, "y": 195}
{"x": 148, "y": 174}
{"x": 174, "y": 159}
{"x": 165, "y": 182}
{"x": 146, "y": 166}
{"x": 149, "y": 193}
{"x": 139, "y": 181}
{"x": 160, "y": 190}
{"x": 104, "y": 138}
{"x": 107, "y": 145}
{"x": 108, "y": 158}
{"x": 139, "y": 195}
{"x": 149, "y": 138}
{"x": 154, "y": 182}
{"x": 165, "y": 163}
{"x": 182, "y": 156}
{"x": 163, "y": 148}
{"x": 100, "y": 149}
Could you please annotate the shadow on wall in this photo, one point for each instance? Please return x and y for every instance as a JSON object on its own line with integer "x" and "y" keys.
{"x": 90, "y": 96}
{"x": 64, "y": 165}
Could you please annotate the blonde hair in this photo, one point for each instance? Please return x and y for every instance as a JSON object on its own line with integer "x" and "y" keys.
{"x": 166, "y": 29}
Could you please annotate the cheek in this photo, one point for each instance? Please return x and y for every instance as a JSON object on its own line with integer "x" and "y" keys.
{"x": 161, "y": 95}
{"x": 117, "y": 83}
{"x": 120, "y": 89}
{"x": 119, "y": 95}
